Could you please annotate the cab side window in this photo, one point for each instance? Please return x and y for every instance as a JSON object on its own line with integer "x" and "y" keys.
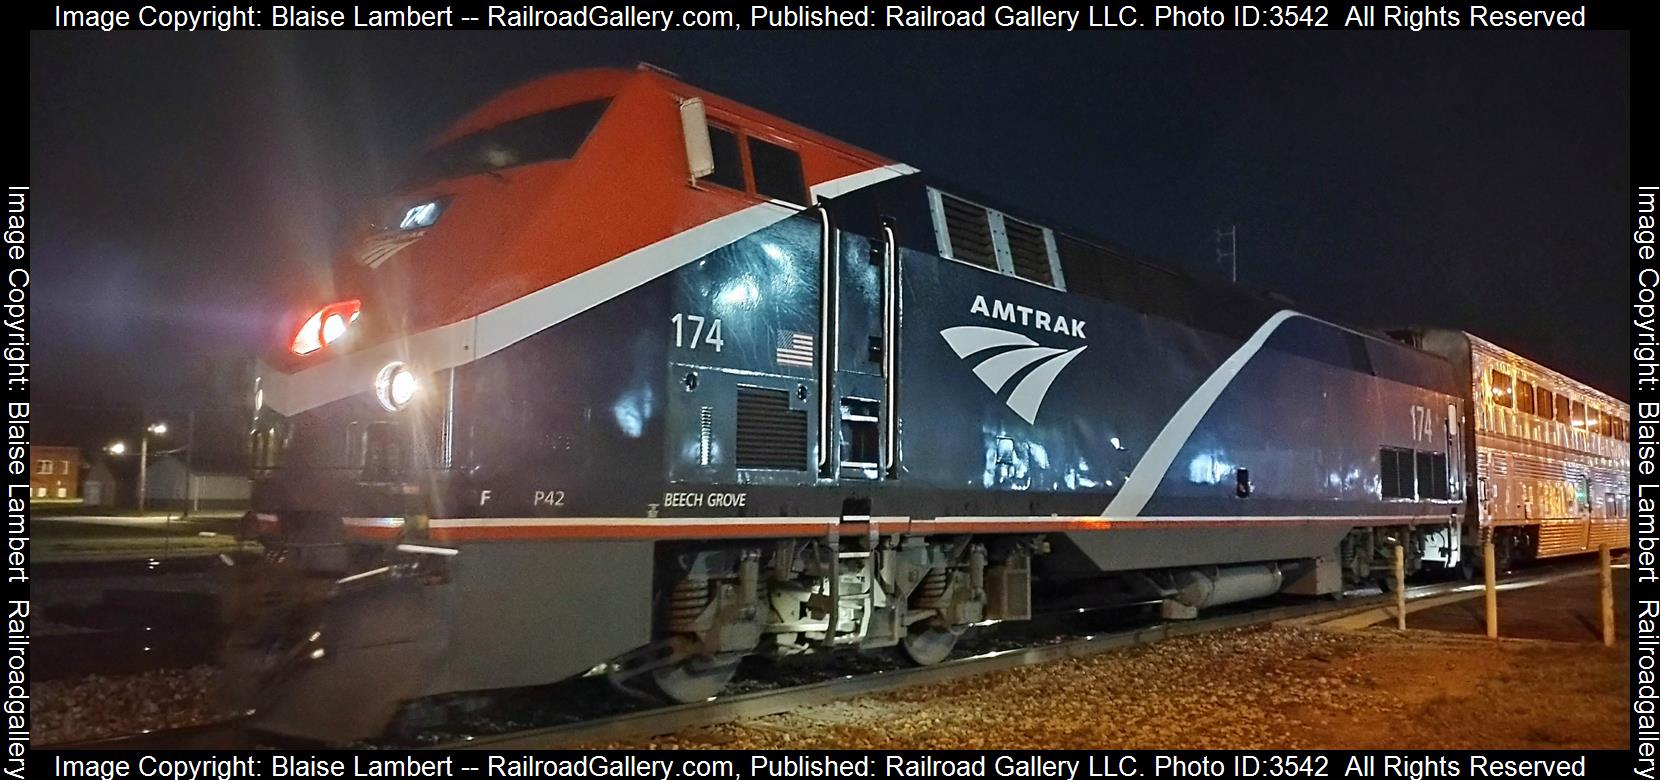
{"x": 777, "y": 172}
{"x": 729, "y": 165}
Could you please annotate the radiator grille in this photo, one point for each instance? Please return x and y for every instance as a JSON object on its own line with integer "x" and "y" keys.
{"x": 771, "y": 435}
{"x": 969, "y": 229}
{"x": 1028, "y": 250}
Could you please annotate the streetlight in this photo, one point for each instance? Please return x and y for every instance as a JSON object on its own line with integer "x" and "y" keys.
{"x": 118, "y": 448}
{"x": 158, "y": 429}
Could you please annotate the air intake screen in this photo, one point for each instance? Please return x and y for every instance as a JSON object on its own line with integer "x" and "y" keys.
{"x": 970, "y": 232}
{"x": 1028, "y": 250}
{"x": 1396, "y": 472}
{"x": 771, "y": 435}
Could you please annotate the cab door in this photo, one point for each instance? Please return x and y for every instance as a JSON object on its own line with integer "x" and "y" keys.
{"x": 859, "y": 431}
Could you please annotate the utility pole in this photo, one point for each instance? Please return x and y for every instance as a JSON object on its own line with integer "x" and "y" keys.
{"x": 158, "y": 429}
{"x": 143, "y": 468}
{"x": 190, "y": 464}
{"x": 1231, "y": 252}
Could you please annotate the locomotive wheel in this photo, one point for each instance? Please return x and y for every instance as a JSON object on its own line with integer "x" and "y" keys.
{"x": 696, "y": 679}
{"x": 929, "y": 646}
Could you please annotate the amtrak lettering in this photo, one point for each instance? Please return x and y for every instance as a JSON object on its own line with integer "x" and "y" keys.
{"x": 1013, "y": 353}
{"x": 1027, "y": 316}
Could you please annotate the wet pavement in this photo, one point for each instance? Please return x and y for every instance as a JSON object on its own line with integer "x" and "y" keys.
{"x": 125, "y": 617}
{"x": 1568, "y": 610}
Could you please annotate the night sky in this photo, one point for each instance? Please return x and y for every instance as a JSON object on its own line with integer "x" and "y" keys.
{"x": 187, "y": 186}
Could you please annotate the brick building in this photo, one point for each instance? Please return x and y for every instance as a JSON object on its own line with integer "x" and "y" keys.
{"x": 54, "y": 473}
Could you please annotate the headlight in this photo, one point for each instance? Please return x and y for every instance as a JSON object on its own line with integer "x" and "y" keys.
{"x": 325, "y": 326}
{"x": 396, "y": 386}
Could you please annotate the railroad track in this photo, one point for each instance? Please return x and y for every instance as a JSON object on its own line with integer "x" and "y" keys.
{"x": 1353, "y": 612}
{"x": 219, "y": 734}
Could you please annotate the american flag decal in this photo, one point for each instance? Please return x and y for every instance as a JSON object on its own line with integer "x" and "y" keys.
{"x": 381, "y": 247}
{"x": 795, "y": 349}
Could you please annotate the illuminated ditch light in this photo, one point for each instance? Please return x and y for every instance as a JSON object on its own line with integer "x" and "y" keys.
{"x": 396, "y": 386}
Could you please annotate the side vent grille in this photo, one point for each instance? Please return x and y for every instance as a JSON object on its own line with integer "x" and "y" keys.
{"x": 705, "y": 434}
{"x": 970, "y": 232}
{"x": 1028, "y": 250}
{"x": 771, "y": 435}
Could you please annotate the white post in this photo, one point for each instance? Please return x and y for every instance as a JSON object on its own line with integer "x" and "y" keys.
{"x": 1606, "y": 582}
{"x": 1400, "y": 587}
{"x": 143, "y": 466}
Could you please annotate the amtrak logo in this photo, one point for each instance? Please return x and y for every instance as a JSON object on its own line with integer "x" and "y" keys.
{"x": 380, "y": 248}
{"x": 1009, "y": 354}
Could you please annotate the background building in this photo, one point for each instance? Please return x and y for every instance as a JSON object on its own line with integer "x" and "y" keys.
{"x": 101, "y": 487}
{"x": 54, "y": 473}
{"x": 174, "y": 484}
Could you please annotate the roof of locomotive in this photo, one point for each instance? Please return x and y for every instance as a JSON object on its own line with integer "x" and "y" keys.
{"x": 569, "y": 87}
{"x": 575, "y": 86}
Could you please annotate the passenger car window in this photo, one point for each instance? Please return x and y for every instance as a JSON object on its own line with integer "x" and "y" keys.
{"x": 1502, "y": 393}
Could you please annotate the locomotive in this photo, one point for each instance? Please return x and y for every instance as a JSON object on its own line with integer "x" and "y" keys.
{"x": 631, "y": 380}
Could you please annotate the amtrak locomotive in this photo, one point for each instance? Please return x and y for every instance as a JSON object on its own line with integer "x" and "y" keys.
{"x": 631, "y": 380}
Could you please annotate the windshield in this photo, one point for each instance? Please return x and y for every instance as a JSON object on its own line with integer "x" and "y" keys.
{"x": 551, "y": 135}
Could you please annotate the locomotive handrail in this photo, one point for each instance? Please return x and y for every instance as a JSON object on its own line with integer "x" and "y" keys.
{"x": 829, "y": 334}
{"x": 890, "y": 349}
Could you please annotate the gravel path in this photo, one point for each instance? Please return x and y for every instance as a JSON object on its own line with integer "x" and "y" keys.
{"x": 97, "y": 707}
{"x": 1250, "y": 688}
{"x": 1283, "y": 687}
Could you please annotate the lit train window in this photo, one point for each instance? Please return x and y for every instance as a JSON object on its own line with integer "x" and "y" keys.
{"x": 1578, "y": 415}
{"x": 1502, "y": 393}
{"x": 1544, "y": 404}
{"x": 1524, "y": 396}
{"x": 777, "y": 172}
{"x": 729, "y": 166}
{"x": 1562, "y": 414}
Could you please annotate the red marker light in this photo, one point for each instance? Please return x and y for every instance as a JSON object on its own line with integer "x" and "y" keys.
{"x": 326, "y": 326}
